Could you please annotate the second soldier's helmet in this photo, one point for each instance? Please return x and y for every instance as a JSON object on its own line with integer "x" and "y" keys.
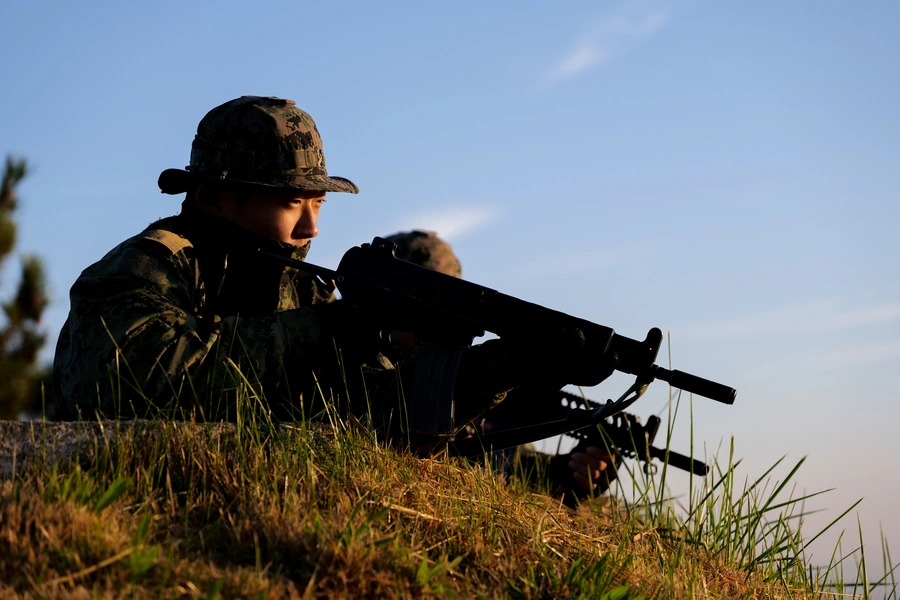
{"x": 426, "y": 249}
{"x": 260, "y": 141}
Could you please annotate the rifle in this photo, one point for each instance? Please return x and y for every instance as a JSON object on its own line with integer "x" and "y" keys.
{"x": 446, "y": 314}
{"x": 621, "y": 434}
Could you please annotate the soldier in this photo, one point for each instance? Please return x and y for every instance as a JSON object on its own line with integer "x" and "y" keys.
{"x": 153, "y": 324}
{"x": 187, "y": 317}
{"x": 589, "y": 468}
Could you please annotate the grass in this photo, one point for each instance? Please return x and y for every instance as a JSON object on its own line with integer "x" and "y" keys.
{"x": 176, "y": 509}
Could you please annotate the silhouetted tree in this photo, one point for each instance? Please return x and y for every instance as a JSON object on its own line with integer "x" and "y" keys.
{"x": 20, "y": 339}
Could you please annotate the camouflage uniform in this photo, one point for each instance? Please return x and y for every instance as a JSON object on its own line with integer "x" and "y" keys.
{"x": 147, "y": 325}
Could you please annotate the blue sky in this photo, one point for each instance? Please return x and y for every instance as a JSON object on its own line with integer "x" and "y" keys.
{"x": 728, "y": 172}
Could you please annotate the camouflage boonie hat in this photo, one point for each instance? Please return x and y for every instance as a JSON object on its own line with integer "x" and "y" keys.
{"x": 260, "y": 141}
{"x": 425, "y": 248}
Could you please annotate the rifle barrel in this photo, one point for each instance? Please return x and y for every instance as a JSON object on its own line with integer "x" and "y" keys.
{"x": 680, "y": 461}
{"x": 696, "y": 385}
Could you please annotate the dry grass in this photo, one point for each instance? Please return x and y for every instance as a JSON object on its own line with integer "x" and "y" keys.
{"x": 180, "y": 510}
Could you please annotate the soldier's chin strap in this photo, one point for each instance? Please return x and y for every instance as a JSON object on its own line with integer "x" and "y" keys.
{"x": 577, "y": 418}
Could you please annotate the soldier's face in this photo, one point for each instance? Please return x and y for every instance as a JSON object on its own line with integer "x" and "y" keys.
{"x": 289, "y": 216}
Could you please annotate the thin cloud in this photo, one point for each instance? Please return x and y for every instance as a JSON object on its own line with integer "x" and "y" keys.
{"x": 607, "y": 39}
{"x": 452, "y": 223}
{"x": 817, "y": 317}
{"x": 581, "y": 59}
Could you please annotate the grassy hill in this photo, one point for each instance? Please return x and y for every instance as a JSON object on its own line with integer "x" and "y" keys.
{"x": 181, "y": 510}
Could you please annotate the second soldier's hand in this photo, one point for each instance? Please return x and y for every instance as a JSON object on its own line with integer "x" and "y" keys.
{"x": 588, "y": 466}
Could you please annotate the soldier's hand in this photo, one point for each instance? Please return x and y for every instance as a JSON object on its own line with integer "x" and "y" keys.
{"x": 574, "y": 361}
{"x": 589, "y": 466}
{"x": 399, "y": 339}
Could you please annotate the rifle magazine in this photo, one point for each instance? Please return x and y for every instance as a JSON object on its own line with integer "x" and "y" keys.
{"x": 431, "y": 408}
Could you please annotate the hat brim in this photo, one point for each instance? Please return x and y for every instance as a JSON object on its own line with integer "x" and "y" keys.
{"x": 178, "y": 181}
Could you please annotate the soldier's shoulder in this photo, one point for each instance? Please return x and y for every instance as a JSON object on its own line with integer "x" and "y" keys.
{"x": 162, "y": 239}
{"x": 168, "y": 233}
